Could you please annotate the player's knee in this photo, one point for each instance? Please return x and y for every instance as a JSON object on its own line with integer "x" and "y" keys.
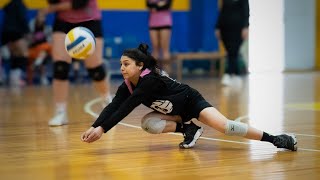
{"x": 234, "y": 128}
{"x": 61, "y": 70}
{"x": 98, "y": 73}
{"x": 153, "y": 125}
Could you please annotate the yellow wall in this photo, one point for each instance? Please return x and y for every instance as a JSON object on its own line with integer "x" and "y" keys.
{"x": 178, "y": 5}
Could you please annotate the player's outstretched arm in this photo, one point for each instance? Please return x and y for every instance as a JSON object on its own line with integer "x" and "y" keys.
{"x": 92, "y": 134}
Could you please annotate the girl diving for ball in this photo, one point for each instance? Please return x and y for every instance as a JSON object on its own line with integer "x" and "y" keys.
{"x": 174, "y": 105}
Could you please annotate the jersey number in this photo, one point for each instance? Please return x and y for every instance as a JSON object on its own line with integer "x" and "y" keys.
{"x": 163, "y": 106}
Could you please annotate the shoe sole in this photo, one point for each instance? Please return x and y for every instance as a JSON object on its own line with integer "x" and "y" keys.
{"x": 295, "y": 142}
{"x": 55, "y": 125}
{"x": 63, "y": 123}
{"x": 193, "y": 142}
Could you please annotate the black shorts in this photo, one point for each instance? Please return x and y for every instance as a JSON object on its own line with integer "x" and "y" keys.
{"x": 159, "y": 28}
{"x": 11, "y": 37}
{"x": 195, "y": 104}
{"x": 94, "y": 25}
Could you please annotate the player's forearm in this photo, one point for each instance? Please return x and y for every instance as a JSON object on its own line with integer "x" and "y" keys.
{"x": 125, "y": 108}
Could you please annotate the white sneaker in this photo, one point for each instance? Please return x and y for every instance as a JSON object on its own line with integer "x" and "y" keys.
{"x": 226, "y": 80}
{"x": 59, "y": 119}
{"x": 44, "y": 81}
{"x": 237, "y": 81}
{"x": 15, "y": 78}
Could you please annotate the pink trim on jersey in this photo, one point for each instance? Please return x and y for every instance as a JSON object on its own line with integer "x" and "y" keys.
{"x": 160, "y": 18}
{"x": 128, "y": 85}
{"x": 143, "y": 73}
{"x": 90, "y": 12}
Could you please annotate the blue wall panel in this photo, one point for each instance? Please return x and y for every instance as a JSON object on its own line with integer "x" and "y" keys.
{"x": 192, "y": 30}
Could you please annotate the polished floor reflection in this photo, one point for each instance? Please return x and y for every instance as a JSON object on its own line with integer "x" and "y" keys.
{"x": 276, "y": 103}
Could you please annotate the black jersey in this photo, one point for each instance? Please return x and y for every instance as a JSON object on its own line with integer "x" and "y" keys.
{"x": 160, "y": 93}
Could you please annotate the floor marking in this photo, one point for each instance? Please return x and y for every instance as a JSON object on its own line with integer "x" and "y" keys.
{"x": 313, "y": 106}
{"x": 88, "y": 105}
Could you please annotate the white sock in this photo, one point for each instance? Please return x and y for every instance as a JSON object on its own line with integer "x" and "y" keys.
{"x": 61, "y": 107}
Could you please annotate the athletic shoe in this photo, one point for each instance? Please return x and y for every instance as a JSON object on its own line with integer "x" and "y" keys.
{"x": 226, "y": 80}
{"x": 287, "y": 141}
{"x": 15, "y": 78}
{"x": 44, "y": 81}
{"x": 236, "y": 81}
{"x": 59, "y": 119}
{"x": 192, "y": 133}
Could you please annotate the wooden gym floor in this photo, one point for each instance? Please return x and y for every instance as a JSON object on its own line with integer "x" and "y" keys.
{"x": 276, "y": 103}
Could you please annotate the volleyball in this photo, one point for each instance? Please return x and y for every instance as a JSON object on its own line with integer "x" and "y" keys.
{"x": 80, "y": 43}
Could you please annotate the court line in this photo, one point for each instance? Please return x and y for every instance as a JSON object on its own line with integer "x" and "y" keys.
{"x": 87, "y": 109}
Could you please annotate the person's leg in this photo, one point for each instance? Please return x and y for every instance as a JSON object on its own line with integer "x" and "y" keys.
{"x": 35, "y": 61}
{"x": 76, "y": 69}
{"x": 44, "y": 51}
{"x": 60, "y": 85}
{"x": 19, "y": 60}
{"x": 226, "y": 78}
{"x": 232, "y": 41}
{"x": 165, "y": 37}
{"x": 233, "y": 53}
{"x": 213, "y": 118}
{"x": 156, "y": 123}
{"x": 19, "y": 47}
{"x": 155, "y": 43}
{"x": 97, "y": 72}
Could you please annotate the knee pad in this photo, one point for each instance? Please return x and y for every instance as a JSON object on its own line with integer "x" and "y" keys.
{"x": 61, "y": 70}
{"x": 234, "y": 128}
{"x": 97, "y": 73}
{"x": 153, "y": 125}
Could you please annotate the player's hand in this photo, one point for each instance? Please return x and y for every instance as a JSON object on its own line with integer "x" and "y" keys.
{"x": 85, "y": 135}
{"x": 94, "y": 135}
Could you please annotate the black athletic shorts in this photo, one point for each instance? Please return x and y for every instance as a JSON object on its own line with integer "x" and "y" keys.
{"x": 94, "y": 25}
{"x": 159, "y": 28}
{"x": 10, "y": 37}
{"x": 195, "y": 104}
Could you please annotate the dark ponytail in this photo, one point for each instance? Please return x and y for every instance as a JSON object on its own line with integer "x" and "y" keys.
{"x": 141, "y": 54}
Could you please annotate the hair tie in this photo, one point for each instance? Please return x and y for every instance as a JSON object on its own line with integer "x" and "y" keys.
{"x": 143, "y": 48}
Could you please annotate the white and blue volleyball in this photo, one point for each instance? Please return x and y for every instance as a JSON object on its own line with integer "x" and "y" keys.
{"x": 80, "y": 43}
